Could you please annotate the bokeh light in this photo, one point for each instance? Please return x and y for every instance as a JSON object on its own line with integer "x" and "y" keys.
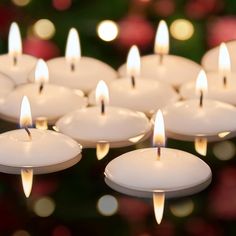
{"x": 61, "y": 230}
{"x": 21, "y": 3}
{"x": 107, "y": 30}
{"x": 61, "y": 5}
{"x": 44, "y": 29}
{"x": 183, "y": 208}
{"x": 107, "y": 205}
{"x": 44, "y": 206}
{"x": 182, "y": 29}
{"x": 21, "y": 233}
{"x": 224, "y": 150}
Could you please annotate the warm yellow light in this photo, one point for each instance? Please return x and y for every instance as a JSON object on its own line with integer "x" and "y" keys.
{"x": 158, "y": 202}
{"x": 102, "y": 150}
{"x": 73, "y": 51}
{"x": 44, "y": 206}
{"x": 21, "y": 3}
{"x": 201, "y": 82}
{"x": 41, "y": 72}
{"x": 44, "y": 29}
{"x": 27, "y": 180}
{"x": 181, "y": 29}
{"x": 107, "y": 30}
{"x": 159, "y": 130}
{"x": 25, "y": 113}
{"x": 224, "y": 60}
{"x": 182, "y": 209}
{"x": 102, "y": 93}
{"x": 133, "y": 62}
{"x": 201, "y": 146}
{"x": 21, "y": 233}
{"x": 162, "y": 39}
{"x": 14, "y": 40}
{"x": 224, "y": 134}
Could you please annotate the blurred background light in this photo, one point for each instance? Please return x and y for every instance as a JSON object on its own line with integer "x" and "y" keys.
{"x": 21, "y": 3}
{"x": 44, "y": 29}
{"x": 44, "y": 207}
{"x": 20, "y": 233}
{"x": 224, "y": 150}
{"x": 182, "y": 208}
{"x": 61, "y": 5}
{"x": 61, "y": 230}
{"x": 107, "y": 205}
{"x": 107, "y": 30}
{"x": 181, "y": 29}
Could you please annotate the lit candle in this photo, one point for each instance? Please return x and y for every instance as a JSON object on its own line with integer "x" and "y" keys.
{"x": 47, "y": 100}
{"x": 136, "y": 93}
{"x": 201, "y": 117}
{"x": 171, "y": 69}
{"x": 15, "y": 64}
{"x": 6, "y": 86}
{"x": 35, "y": 151}
{"x": 114, "y": 125}
{"x": 159, "y": 172}
{"x": 78, "y": 72}
{"x": 222, "y": 83}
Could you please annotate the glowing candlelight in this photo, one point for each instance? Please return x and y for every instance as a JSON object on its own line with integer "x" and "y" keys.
{"x": 14, "y": 42}
{"x": 73, "y": 51}
{"x": 27, "y": 180}
{"x": 200, "y": 145}
{"x": 201, "y": 85}
{"x": 102, "y": 95}
{"x": 158, "y": 202}
{"x": 41, "y": 74}
{"x": 161, "y": 46}
{"x": 102, "y": 149}
{"x": 133, "y": 64}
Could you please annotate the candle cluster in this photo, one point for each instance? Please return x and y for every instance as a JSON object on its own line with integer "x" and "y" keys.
{"x": 196, "y": 105}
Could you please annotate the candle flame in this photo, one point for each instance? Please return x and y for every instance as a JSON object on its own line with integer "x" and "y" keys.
{"x": 162, "y": 39}
{"x": 159, "y": 130}
{"x": 102, "y": 150}
{"x": 201, "y": 82}
{"x": 158, "y": 202}
{"x": 224, "y": 60}
{"x": 25, "y": 113}
{"x": 14, "y": 40}
{"x": 133, "y": 62}
{"x": 201, "y": 145}
{"x": 102, "y": 93}
{"x": 27, "y": 181}
{"x": 41, "y": 72}
{"x": 73, "y": 51}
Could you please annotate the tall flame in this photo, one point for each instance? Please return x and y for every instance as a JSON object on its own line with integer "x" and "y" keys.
{"x": 25, "y": 113}
{"x": 201, "y": 82}
{"x": 102, "y": 93}
{"x": 162, "y": 39}
{"x": 41, "y": 72}
{"x": 159, "y": 130}
{"x": 27, "y": 181}
{"x": 224, "y": 60}
{"x": 158, "y": 202}
{"x": 200, "y": 145}
{"x": 133, "y": 62}
{"x": 102, "y": 150}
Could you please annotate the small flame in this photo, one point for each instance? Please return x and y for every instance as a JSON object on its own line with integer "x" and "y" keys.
{"x": 25, "y": 113}
{"x": 201, "y": 146}
{"x": 27, "y": 181}
{"x": 159, "y": 130}
{"x": 102, "y": 150}
{"x": 201, "y": 82}
{"x": 133, "y": 62}
{"x": 224, "y": 60}
{"x": 162, "y": 39}
{"x": 41, "y": 123}
{"x": 14, "y": 40}
{"x": 41, "y": 72}
{"x": 158, "y": 202}
{"x": 73, "y": 51}
{"x": 102, "y": 93}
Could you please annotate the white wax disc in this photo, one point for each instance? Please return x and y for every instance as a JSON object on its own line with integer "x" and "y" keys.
{"x": 54, "y": 102}
{"x": 174, "y": 70}
{"x": 185, "y": 120}
{"x": 48, "y": 151}
{"x": 6, "y": 86}
{"x": 147, "y": 96}
{"x": 210, "y": 59}
{"x": 119, "y": 126}
{"x": 140, "y": 173}
{"x": 20, "y": 72}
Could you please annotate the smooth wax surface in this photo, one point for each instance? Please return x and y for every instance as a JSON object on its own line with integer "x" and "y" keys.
{"x": 19, "y": 73}
{"x": 141, "y": 173}
{"x": 216, "y": 90}
{"x": 148, "y": 95}
{"x": 6, "y": 86}
{"x": 185, "y": 120}
{"x": 48, "y": 151}
{"x": 88, "y": 72}
{"x": 174, "y": 70}
{"x": 210, "y": 59}
{"x": 54, "y": 102}
{"x": 118, "y": 126}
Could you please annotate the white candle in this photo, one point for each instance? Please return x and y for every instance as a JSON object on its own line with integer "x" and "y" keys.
{"x": 171, "y": 69}
{"x": 78, "y": 72}
{"x": 6, "y": 86}
{"x": 15, "y": 64}
{"x": 47, "y": 100}
{"x": 137, "y": 93}
{"x": 114, "y": 125}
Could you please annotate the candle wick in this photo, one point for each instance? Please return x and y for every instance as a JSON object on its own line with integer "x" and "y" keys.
{"x": 28, "y": 132}
{"x": 161, "y": 58}
{"x": 14, "y": 60}
{"x": 158, "y": 152}
{"x": 102, "y": 107}
{"x": 201, "y": 99}
{"x": 72, "y": 66}
{"x": 225, "y": 81}
{"x": 41, "y": 86}
{"x": 133, "y": 81}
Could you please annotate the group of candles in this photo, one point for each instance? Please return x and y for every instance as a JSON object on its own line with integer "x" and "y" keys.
{"x": 59, "y": 92}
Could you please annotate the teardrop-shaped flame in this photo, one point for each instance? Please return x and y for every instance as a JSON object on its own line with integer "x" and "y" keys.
{"x": 27, "y": 180}
{"x": 158, "y": 202}
{"x": 133, "y": 62}
{"x": 14, "y": 40}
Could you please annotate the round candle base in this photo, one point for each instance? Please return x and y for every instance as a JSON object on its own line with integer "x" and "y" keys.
{"x": 177, "y": 173}
{"x": 6, "y": 86}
